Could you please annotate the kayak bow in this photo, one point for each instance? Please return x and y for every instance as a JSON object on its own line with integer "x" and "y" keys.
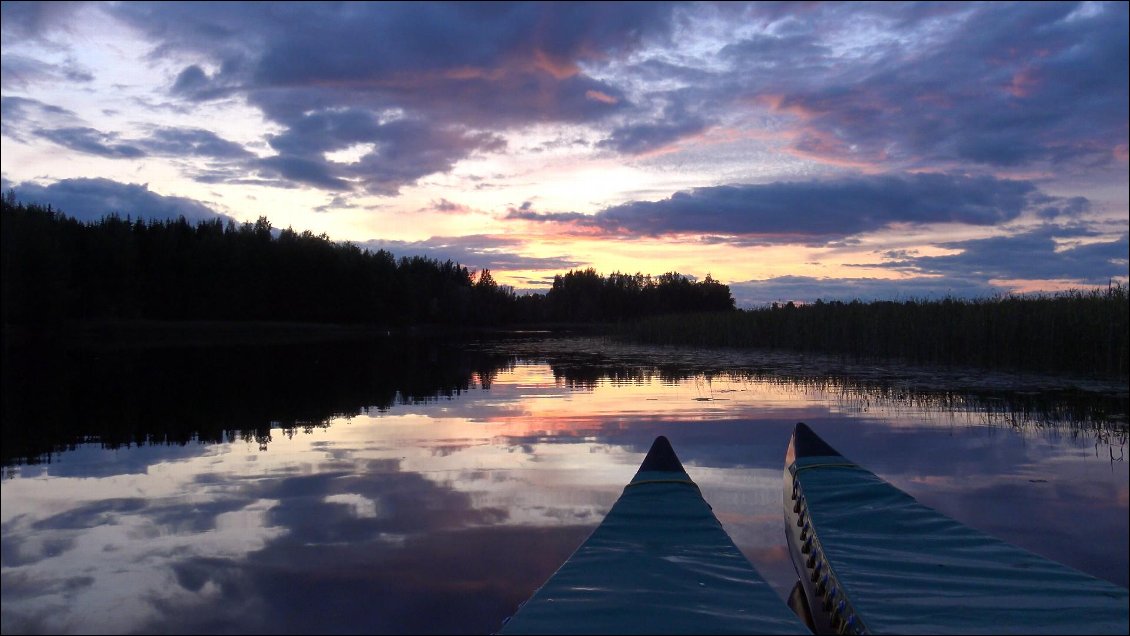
{"x": 872, "y": 560}
{"x": 659, "y": 563}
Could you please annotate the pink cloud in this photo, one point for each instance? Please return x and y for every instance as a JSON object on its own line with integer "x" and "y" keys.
{"x": 601, "y": 97}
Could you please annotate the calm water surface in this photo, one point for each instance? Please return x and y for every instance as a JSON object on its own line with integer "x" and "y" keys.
{"x": 401, "y": 506}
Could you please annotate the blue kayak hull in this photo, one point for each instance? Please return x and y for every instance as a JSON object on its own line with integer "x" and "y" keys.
{"x": 873, "y": 560}
{"x": 659, "y": 563}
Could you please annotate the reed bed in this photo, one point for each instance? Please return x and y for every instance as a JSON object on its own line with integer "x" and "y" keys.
{"x": 1077, "y": 332}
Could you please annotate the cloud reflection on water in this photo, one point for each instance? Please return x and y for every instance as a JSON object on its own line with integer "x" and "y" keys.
{"x": 442, "y": 516}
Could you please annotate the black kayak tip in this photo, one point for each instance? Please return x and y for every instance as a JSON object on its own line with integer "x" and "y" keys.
{"x": 662, "y": 458}
{"x": 806, "y": 443}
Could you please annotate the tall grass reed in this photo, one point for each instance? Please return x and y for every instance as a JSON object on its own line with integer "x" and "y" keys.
{"x": 1077, "y": 332}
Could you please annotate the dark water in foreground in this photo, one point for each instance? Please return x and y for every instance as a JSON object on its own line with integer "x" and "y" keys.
{"x": 430, "y": 488}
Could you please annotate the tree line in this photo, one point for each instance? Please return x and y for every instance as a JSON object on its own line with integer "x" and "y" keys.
{"x": 56, "y": 269}
{"x": 1078, "y": 332}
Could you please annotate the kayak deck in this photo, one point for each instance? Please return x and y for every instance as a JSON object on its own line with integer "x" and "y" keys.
{"x": 872, "y": 559}
{"x": 659, "y": 563}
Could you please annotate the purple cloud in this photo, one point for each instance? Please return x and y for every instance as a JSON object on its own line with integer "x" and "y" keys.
{"x": 1032, "y": 255}
{"x": 20, "y": 72}
{"x": 451, "y": 72}
{"x": 476, "y": 252}
{"x": 91, "y": 141}
{"x": 814, "y": 212}
{"x": 403, "y": 150}
{"x": 996, "y": 85}
{"x": 192, "y": 142}
{"x": 23, "y": 116}
{"x": 639, "y": 138}
{"x": 92, "y": 199}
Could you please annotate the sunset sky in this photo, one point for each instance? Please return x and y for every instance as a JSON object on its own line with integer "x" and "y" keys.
{"x": 792, "y": 151}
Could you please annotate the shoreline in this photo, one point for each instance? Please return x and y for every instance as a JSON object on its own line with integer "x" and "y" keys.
{"x": 126, "y": 334}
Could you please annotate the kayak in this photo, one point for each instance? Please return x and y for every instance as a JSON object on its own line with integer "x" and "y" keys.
{"x": 872, "y": 560}
{"x": 659, "y": 563}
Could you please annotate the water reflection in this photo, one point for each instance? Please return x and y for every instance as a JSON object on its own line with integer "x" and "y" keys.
{"x": 423, "y": 515}
{"x": 56, "y": 398}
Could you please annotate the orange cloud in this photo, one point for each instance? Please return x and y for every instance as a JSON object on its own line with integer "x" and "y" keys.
{"x": 781, "y": 104}
{"x": 601, "y": 97}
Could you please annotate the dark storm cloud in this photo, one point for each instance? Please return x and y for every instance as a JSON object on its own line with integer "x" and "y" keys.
{"x": 475, "y": 252}
{"x": 1032, "y": 255}
{"x": 92, "y": 199}
{"x": 816, "y": 211}
{"x": 997, "y": 85}
{"x": 448, "y": 71}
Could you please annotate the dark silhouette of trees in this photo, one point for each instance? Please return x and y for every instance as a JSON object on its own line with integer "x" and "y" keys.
{"x": 57, "y": 269}
{"x": 585, "y": 296}
{"x": 1079, "y": 332}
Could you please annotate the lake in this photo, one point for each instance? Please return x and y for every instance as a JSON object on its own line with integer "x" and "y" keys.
{"x": 429, "y": 486}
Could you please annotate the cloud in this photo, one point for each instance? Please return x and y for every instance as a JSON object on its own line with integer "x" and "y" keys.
{"x": 400, "y": 151}
{"x": 92, "y": 199}
{"x": 452, "y": 73}
{"x": 640, "y": 138}
{"x": 901, "y": 87}
{"x": 1032, "y": 255}
{"x": 308, "y": 171}
{"x": 35, "y": 20}
{"x": 192, "y": 142}
{"x": 165, "y": 141}
{"x": 476, "y": 252}
{"x": 194, "y": 84}
{"x": 814, "y": 212}
{"x": 407, "y": 150}
{"x": 444, "y": 206}
{"x": 91, "y": 141}
{"x": 1001, "y": 86}
{"x": 23, "y": 116}
{"x": 982, "y": 268}
{"x": 20, "y": 72}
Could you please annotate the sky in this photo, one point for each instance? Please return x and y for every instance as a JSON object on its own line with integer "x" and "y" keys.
{"x": 793, "y": 151}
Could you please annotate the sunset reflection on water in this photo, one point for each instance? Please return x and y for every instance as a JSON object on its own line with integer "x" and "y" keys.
{"x": 442, "y": 515}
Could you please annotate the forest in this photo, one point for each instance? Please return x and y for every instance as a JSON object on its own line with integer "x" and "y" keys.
{"x": 57, "y": 269}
